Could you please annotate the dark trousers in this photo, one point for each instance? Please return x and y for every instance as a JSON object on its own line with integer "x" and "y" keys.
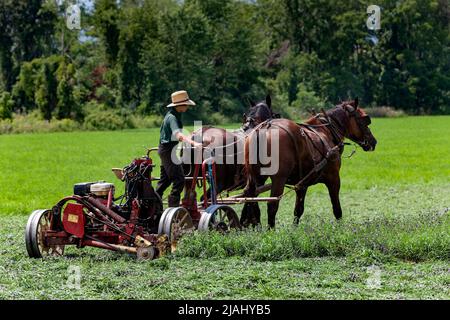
{"x": 171, "y": 173}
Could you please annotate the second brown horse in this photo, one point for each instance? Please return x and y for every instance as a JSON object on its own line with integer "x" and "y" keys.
{"x": 308, "y": 154}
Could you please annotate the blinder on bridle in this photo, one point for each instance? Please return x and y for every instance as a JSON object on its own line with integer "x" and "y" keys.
{"x": 363, "y": 123}
{"x": 365, "y": 120}
{"x": 360, "y": 120}
{"x": 246, "y": 122}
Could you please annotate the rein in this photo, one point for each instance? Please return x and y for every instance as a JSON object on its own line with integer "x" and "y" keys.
{"x": 236, "y": 141}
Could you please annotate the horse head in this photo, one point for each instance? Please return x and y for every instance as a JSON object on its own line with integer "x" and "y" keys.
{"x": 357, "y": 128}
{"x": 258, "y": 112}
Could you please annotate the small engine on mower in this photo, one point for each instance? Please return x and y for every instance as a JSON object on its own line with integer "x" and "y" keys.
{"x": 92, "y": 216}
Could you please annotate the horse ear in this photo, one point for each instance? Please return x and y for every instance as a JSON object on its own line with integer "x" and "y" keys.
{"x": 356, "y": 102}
{"x": 350, "y": 108}
{"x": 250, "y": 102}
{"x": 269, "y": 101}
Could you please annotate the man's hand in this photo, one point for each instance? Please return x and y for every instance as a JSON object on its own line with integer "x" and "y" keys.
{"x": 182, "y": 137}
{"x": 206, "y": 142}
{"x": 197, "y": 145}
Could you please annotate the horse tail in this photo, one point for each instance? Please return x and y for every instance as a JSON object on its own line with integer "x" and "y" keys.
{"x": 247, "y": 169}
{"x": 252, "y": 165}
{"x": 189, "y": 167}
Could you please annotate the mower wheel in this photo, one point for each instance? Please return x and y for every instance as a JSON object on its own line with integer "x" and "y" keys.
{"x": 38, "y": 223}
{"x": 162, "y": 219}
{"x": 220, "y": 218}
{"x": 175, "y": 222}
{"x": 145, "y": 253}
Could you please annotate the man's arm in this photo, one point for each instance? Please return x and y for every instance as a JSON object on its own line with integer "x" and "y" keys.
{"x": 178, "y": 135}
{"x": 181, "y": 137}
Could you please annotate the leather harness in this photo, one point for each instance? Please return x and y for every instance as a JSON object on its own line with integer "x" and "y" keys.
{"x": 308, "y": 131}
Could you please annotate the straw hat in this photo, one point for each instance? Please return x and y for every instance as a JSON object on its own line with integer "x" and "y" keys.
{"x": 180, "y": 98}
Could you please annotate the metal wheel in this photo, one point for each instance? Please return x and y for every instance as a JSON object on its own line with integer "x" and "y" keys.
{"x": 162, "y": 219}
{"x": 38, "y": 223}
{"x": 145, "y": 253}
{"x": 220, "y": 218}
{"x": 175, "y": 222}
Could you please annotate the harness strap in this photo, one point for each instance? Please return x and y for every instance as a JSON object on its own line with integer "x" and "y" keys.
{"x": 325, "y": 144}
{"x": 317, "y": 167}
{"x": 331, "y": 126}
{"x": 330, "y": 151}
{"x": 293, "y": 138}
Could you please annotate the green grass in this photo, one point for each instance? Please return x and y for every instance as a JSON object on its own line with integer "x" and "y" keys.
{"x": 395, "y": 206}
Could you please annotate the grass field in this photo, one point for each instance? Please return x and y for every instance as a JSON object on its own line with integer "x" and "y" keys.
{"x": 396, "y": 226}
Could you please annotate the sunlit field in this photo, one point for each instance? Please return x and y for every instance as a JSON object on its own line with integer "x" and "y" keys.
{"x": 395, "y": 220}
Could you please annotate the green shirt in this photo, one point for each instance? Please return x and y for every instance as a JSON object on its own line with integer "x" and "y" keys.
{"x": 171, "y": 125}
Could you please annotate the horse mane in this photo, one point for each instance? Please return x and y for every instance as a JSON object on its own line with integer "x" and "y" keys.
{"x": 335, "y": 112}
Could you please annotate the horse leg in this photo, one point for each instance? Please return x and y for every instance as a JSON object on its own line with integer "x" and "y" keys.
{"x": 333, "y": 190}
{"x": 272, "y": 207}
{"x": 249, "y": 211}
{"x": 253, "y": 207}
{"x": 299, "y": 204}
{"x": 251, "y": 214}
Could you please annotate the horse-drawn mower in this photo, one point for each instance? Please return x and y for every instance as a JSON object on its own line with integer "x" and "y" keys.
{"x": 135, "y": 222}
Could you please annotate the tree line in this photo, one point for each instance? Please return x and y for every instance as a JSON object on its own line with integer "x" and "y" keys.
{"x": 131, "y": 54}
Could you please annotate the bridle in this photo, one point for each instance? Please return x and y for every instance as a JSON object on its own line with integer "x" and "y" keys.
{"x": 251, "y": 121}
{"x": 362, "y": 122}
{"x": 338, "y": 130}
{"x": 247, "y": 122}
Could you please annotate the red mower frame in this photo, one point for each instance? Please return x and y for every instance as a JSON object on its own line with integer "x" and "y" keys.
{"x": 139, "y": 227}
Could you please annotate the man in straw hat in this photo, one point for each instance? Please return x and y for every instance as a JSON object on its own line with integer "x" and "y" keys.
{"x": 170, "y": 135}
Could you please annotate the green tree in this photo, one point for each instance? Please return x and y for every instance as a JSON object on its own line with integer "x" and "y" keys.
{"x": 6, "y": 105}
{"x": 106, "y": 20}
{"x": 232, "y": 53}
{"x": 66, "y": 106}
{"x": 24, "y": 89}
{"x": 27, "y": 30}
{"x": 413, "y": 56}
{"x": 46, "y": 87}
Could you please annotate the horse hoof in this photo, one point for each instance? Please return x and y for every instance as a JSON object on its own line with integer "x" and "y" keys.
{"x": 257, "y": 227}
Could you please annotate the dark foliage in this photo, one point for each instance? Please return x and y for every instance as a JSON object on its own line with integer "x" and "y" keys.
{"x": 130, "y": 55}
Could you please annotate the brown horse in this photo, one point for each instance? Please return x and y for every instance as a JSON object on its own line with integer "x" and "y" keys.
{"x": 230, "y": 174}
{"x": 310, "y": 153}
